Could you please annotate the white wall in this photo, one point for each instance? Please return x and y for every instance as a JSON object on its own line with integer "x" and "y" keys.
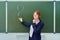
{"x": 24, "y": 36}
{"x": 30, "y": 0}
{"x": 27, "y": 0}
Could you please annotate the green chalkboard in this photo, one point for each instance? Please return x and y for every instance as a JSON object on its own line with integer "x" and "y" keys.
{"x": 2, "y": 17}
{"x": 58, "y": 17}
{"x": 26, "y": 11}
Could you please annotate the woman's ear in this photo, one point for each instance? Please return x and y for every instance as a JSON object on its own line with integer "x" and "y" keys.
{"x": 40, "y": 16}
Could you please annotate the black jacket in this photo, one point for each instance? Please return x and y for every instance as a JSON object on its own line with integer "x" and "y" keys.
{"x": 37, "y": 29}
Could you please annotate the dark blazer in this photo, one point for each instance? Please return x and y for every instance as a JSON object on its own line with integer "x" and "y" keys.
{"x": 37, "y": 29}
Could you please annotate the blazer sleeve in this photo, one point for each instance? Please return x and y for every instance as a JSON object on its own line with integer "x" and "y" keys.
{"x": 25, "y": 24}
{"x": 39, "y": 28}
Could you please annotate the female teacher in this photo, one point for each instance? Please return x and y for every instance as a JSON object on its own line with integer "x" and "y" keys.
{"x": 35, "y": 26}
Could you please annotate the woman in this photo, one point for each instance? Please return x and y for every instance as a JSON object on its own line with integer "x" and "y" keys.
{"x": 35, "y": 26}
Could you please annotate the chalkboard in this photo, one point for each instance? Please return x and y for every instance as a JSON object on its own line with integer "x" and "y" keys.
{"x": 26, "y": 10}
{"x": 2, "y": 17}
{"x": 58, "y": 17}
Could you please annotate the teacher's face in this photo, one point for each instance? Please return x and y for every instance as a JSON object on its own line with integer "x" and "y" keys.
{"x": 35, "y": 15}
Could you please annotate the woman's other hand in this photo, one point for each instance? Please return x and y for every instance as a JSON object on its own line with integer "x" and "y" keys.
{"x": 20, "y": 19}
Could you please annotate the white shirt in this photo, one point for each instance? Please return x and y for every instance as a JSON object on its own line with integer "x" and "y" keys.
{"x": 31, "y": 30}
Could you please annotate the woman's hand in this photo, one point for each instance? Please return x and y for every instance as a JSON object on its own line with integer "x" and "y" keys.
{"x": 34, "y": 21}
{"x": 20, "y": 19}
